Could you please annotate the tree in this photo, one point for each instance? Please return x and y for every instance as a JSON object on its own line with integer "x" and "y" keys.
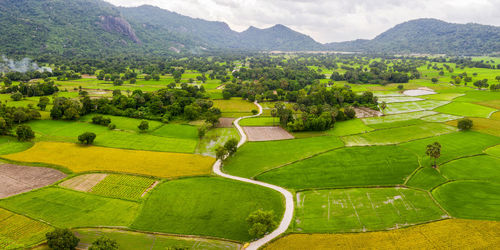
{"x": 43, "y": 102}
{"x": 143, "y": 126}
{"x": 202, "y": 131}
{"x": 4, "y": 127}
{"x": 383, "y": 106}
{"x": 261, "y": 222}
{"x": 350, "y": 112}
{"x": 87, "y": 138}
{"x": 16, "y": 96}
{"x": 231, "y": 146}
{"x": 104, "y": 243}
{"x": 464, "y": 124}
{"x": 24, "y": 133}
{"x": 220, "y": 153}
{"x": 434, "y": 80}
{"x": 401, "y": 87}
{"x": 62, "y": 239}
{"x": 434, "y": 152}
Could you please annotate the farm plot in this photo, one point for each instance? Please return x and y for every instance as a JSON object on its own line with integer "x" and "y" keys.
{"x": 266, "y": 133}
{"x": 440, "y": 118}
{"x": 479, "y": 96}
{"x": 204, "y": 206}
{"x": 80, "y": 158}
{"x": 492, "y": 104}
{"x": 19, "y": 179}
{"x": 466, "y": 109}
{"x": 454, "y": 145}
{"x": 128, "y": 240}
{"x": 260, "y": 121}
{"x": 494, "y": 151}
{"x": 66, "y": 208}
{"x": 83, "y": 183}
{"x": 10, "y": 145}
{"x": 483, "y": 125}
{"x": 398, "y": 135}
{"x": 19, "y": 232}
{"x": 363, "y": 209}
{"x": 177, "y": 131}
{"x": 442, "y": 96}
{"x": 470, "y": 199}
{"x": 235, "y": 107}
{"x": 426, "y": 178}
{"x": 482, "y": 167}
{"x": 123, "y": 186}
{"x": 405, "y": 107}
{"x": 350, "y": 127}
{"x": 346, "y": 167}
{"x": 214, "y": 138}
{"x": 124, "y": 123}
{"x": 391, "y": 99}
{"x": 226, "y": 122}
{"x": 276, "y": 153}
{"x": 445, "y": 234}
{"x": 419, "y": 92}
{"x": 397, "y": 117}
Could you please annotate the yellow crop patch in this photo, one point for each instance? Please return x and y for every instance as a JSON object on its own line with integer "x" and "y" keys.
{"x": 447, "y": 234}
{"x": 488, "y": 126}
{"x": 235, "y": 105}
{"x": 79, "y": 158}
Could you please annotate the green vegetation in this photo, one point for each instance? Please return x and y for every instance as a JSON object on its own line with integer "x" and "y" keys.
{"x": 363, "y": 209}
{"x": 123, "y": 186}
{"x": 351, "y": 127}
{"x": 404, "y": 107}
{"x": 61, "y": 239}
{"x": 466, "y": 109}
{"x": 480, "y": 167}
{"x": 215, "y": 138}
{"x": 426, "y": 178}
{"x": 205, "y": 206}
{"x": 66, "y": 208}
{"x": 260, "y": 121}
{"x": 10, "y": 145}
{"x": 346, "y": 167}
{"x": 397, "y": 117}
{"x": 494, "y": 151}
{"x": 440, "y": 118}
{"x": 17, "y": 231}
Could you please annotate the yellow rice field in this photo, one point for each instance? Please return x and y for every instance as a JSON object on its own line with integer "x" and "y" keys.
{"x": 79, "y": 158}
{"x": 447, "y": 234}
{"x": 488, "y": 126}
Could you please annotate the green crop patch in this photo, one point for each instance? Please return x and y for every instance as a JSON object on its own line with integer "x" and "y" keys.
{"x": 453, "y": 145}
{"x": 482, "y": 167}
{"x": 479, "y": 96}
{"x": 466, "y": 109}
{"x": 206, "y": 206}
{"x": 273, "y": 154}
{"x": 440, "y": 118}
{"x": 405, "y": 107}
{"x": 123, "y": 186}
{"x": 350, "y": 127}
{"x": 177, "y": 131}
{"x": 10, "y": 145}
{"x": 398, "y": 135}
{"x": 442, "y": 96}
{"x": 397, "y": 117}
{"x": 470, "y": 199}
{"x": 426, "y": 178}
{"x": 20, "y": 232}
{"x": 118, "y": 139}
{"x": 67, "y": 208}
{"x": 346, "y": 167}
{"x": 363, "y": 209}
{"x": 124, "y": 123}
{"x": 260, "y": 121}
{"x": 495, "y": 151}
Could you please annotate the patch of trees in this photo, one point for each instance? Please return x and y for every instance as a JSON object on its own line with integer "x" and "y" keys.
{"x": 10, "y": 116}
{"x": 33, "y": 89}
{"x": 261, "y": 223}
{"x": 229, "y": 148}
{"x": 87, "y": 138}
{"x": 101, "y": 120}
{"x": 61, "y": 239}
{"x": 464, "y": 124}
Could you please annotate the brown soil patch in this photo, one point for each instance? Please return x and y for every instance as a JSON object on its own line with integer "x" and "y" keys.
{"x": 226, "y": 122}
{"x": 85, "y": 76}
{"x": 363, "y": 112}
{"x": 267, "y": 133}
{"x": 83, "y": 183}
{"x": 16, "y": 179}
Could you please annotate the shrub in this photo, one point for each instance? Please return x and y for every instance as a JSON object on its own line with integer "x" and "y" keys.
{"x": 100, "y": 120}
{"x": 143, "y": 126}
{"x": 261, "y": 222}
{"x": 16, "y": 96}
{"x": 231, "y": 146}
{"x": 62, "y": 239}
{"x": 87, "y": 138}
{"x": 254, "y": 112}
{"x": 465, "y": 124}
{"x": 104, "y": 243}
{"x": 112, "y": 126}
{"x": 350, "y": 112}
{"x": 24, "y": 133}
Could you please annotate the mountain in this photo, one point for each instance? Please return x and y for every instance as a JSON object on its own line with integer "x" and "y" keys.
{"x": 278, "y": 37}
{"x": 430, "y": 36}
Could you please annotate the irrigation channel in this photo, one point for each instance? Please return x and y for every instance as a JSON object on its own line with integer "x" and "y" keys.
{"x": 287, "y": 216}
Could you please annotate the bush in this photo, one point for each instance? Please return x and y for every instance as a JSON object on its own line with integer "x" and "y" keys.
{"x": 101, "y": 120}
{"x": 24, "y": 133}
{"x": 231, "y": 146}
{"x": 112, "y": 126}
{"x": 143, "y": 126}
{"x": 104, "y": 243}
{"x": 16, "y": 96}
{"x": 254, "y": 112}
{"x": 350, "y": 112}
{"x": 465, "y": 124}
{"x": 261, "y": 222}
{"x": 87, "y": 138}
{"x": 62, "y": 239}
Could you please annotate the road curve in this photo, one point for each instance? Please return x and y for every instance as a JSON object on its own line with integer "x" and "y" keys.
{"x": 287, "y": 216}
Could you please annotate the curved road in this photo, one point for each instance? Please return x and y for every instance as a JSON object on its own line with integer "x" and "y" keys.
{"x": 287, "y": 216}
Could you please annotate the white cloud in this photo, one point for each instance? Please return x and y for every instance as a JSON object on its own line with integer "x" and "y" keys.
{"x": 329, "y": 20}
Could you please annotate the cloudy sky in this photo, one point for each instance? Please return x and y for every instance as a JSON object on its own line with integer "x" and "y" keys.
{"x": 329, "y": 20}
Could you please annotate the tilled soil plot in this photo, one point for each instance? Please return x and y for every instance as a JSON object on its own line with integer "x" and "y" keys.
{"x": 83, "y": 183}
{"x": 266, "y": 133}
{"x": 16, "y": 179}
{"x": 363, "y": 112}
{"x": 225, "y": 122}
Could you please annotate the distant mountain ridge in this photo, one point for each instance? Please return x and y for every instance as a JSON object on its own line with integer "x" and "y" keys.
{"x": 90, "y": 28}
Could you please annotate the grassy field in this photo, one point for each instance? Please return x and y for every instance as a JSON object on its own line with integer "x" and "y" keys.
{"x": 276, "y": 153}
{"x": 398, "y": 135}
{"x": 177, "y": 131}
{"x": 260, "y": 121}
{"x": 128, "y": 240}
{"x": 454, "y": 145}
{"x": 445, "y": 234}
{"x": 214, "y": 138}
{"x": 122, "y": 186}
{"x": 470, "y": 199}
{"x": 404, "y": 107}
{"x": 19, "y": 232}
{"x": 466, "y": 109}
{"x": 426, "y": 178}
{"x": 206, "y": 206}
{"x": 235, "y": 105}
{"x": 66, "y": 208}
{"x": 495, "y": 151}
{"x": 80, "y": 158}
{"x": 124, "y": 123}
{"x": 482, "y": 167}
{"x": 479, "y": 96}
{"x": 363, "y": 209}
{"x": 442, "y": 96}
{"x": 10, "y": 145}
{"x": 346, "y": 167}
{"x": 350, "y": 127}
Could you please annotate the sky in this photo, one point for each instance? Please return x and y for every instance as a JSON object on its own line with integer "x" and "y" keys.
{"x": 329, "y": 20}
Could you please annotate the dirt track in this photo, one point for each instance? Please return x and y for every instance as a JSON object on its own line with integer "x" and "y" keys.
{"x": 16, "y": 179}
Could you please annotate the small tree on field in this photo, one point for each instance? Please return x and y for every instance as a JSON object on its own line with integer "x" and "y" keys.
{"x": 434, "y": 152}
{"x": 254, "y": 112}
{"x": 143, "y": 126}
{"x": 202, "y": 131}
{"x": 231, "y": 146}
{"x": 383, "y": 106}
{"x": 220, "y": 153}
{"x": 401, "y": 87}
{"x": 43, "y": 102}
{"x": 261, "y": 222}
{"x": 104, "y": 243}
{"x": 434, "y": 80}
{"x": 24, "y": 133}
{"x": 465, "y": 124}
{"x": 87, "y": 138}
{"x": 16, "y": 96}
{"x": 61, "y": 239}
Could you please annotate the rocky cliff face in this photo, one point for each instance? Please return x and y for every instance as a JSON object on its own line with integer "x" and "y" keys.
{"x": 119, "y": 25}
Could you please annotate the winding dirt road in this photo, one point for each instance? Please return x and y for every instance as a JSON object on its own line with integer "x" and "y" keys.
{"x": 287, "y": 216}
